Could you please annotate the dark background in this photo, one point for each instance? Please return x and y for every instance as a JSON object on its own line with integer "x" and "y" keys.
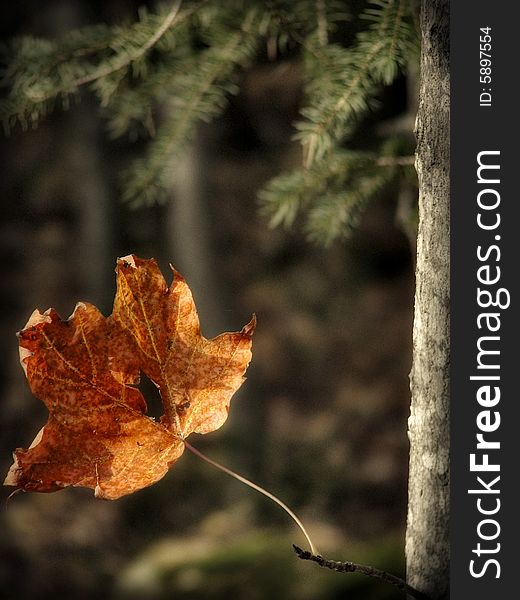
{"x": 321, "y": 420}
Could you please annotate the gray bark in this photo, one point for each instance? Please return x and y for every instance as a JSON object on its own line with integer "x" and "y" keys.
{"x": 427, "y": 536}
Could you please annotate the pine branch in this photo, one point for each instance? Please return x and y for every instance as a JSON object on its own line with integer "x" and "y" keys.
{"x": 199, "y": 94}
{"x": 123, "y": 61}
{"x": 341, "y": 82}
{"x": 197, "y": 54}
{"x": 304, "y": 19}
{"x": 40, "y": 72}
{"x": 132, "y": 109}
{"x": 333, "y": 193}
{"x": 336, "y": 215}
{"x": 328, "y": 121}
{"x": 288, "y": 194}
{"x": 401, "y": 38}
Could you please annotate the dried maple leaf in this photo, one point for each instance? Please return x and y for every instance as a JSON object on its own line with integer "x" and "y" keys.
{"x": 85, "y": 370}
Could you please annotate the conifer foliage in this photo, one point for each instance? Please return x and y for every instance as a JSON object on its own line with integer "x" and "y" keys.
{"x": 162, "y": 75}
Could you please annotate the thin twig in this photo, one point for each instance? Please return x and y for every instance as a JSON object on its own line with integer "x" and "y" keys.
{"x": 165, "y": 25}
{"x": 350, "y": 567}
{"x": 362, "y": 69}
{"x": 123, "y": 61}
{"x": 395, "y": 161}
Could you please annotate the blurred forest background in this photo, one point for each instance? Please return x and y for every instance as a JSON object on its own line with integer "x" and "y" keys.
{"x": 321, "y": 419}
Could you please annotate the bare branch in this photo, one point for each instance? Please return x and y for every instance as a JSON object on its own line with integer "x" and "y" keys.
{"x": 350, "y": 567}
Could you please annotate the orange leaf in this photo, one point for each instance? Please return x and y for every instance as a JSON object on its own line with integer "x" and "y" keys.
{"x": 85, "y": 370}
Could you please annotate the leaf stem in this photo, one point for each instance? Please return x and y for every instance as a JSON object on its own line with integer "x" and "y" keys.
{"x": 350, "y": 567}
{"x": 255, "y": 487}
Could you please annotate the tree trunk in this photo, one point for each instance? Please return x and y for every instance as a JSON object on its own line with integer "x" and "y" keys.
{"x": 427, "y": 536}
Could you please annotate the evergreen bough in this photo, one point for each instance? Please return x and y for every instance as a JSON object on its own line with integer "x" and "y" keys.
{"x": 171, "y": 70}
